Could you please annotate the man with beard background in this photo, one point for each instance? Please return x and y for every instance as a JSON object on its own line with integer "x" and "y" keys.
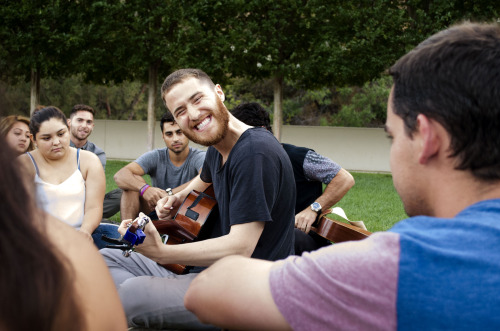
{"x": 254, "y": 186}
{"x": 170, "y": 169}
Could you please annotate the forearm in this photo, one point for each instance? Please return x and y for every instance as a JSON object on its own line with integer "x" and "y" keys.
{"x": 91, "y": 219}
{"x": 130, "y": 182}
{"x": 201, "y": 253}
{"x": 195, "y": 184}
{"x": 248, "y": 305}
{"x": 241, "y": 240}
{"x": 336, "y": 189}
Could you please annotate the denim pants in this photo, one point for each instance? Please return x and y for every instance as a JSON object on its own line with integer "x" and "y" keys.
{"x": 107, "y": 229}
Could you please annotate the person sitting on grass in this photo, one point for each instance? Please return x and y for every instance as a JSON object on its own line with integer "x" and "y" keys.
{"x": 52, "y": 278}
{"x": 438, "y": 269}
{"x": 69, "y": 182}
{"x": 170, "y": 169}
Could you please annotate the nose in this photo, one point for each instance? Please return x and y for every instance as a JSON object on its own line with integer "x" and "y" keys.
{"x": 193, "y": 113}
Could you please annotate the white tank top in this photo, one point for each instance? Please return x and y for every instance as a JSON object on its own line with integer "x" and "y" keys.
{"x": 65, "y": 201}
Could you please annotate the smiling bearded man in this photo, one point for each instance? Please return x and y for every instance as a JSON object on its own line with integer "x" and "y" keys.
{"x": 254, "y": 187}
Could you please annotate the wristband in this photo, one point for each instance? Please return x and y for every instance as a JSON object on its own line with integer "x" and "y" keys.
{"x": 143, "y": 189}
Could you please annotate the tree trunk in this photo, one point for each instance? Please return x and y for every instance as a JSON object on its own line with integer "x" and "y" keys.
{"x": 34, "y": 90}
{"x": 153, "y": 82}
{"x": 278, "y": 107}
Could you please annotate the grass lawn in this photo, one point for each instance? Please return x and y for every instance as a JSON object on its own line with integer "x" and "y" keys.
{"x": 372, "y": 199}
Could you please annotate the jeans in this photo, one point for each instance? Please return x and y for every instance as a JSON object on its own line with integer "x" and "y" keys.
{"x": 107, "y": 229}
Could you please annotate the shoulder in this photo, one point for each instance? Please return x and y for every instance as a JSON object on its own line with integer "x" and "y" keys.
{"x": 94, "y": 148}
{"x": 297, "y": 149}
{"x": 258, "y": 140}
{"x": 88, "y": 156}
{"x": 150, "y": 156}
{"x": 89, "y": 161}
{"x": 91, "y": 277}
{"x": 26, "y": 163}
{"x": 196, "y": 153}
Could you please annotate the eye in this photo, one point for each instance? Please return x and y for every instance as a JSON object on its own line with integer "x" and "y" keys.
{"x": 180, "y": 112}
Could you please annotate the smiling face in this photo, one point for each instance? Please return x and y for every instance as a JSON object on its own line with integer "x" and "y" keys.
{"x": 81, "y": 125}
{"x": 173, "y": 137}
{"x": 199, "y": 111}
{"x": 53, "y": 138}
{"x": 18, "y": 137}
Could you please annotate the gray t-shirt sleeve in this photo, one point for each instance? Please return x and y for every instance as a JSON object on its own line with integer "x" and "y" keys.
{"x": 149, "y": 162}
{"x": 198, "y": 158}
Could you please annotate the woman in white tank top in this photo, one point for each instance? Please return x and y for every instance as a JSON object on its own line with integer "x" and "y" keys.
{"x": 70, "y": 183}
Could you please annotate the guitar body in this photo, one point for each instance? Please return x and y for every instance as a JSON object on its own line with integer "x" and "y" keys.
{"x": 337, "y": 231}
{"x": 193, "y": 218}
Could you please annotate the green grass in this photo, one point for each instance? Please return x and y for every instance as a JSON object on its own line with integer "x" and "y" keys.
{"x": 112, "y": 166}
{"x": 372, "y": 199}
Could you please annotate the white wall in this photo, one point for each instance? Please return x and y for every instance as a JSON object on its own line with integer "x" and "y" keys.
{"x": 355, "y": 149}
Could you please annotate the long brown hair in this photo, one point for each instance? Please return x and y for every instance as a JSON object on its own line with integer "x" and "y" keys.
{"x": 37, "y": 281}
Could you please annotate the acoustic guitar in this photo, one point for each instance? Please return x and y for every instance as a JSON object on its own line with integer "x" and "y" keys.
{"x": 193, "y": 221}
{"x": 337, "y": 231}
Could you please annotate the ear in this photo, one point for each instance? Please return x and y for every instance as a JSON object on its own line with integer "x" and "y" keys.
{"x": 219, "y": 92}
{"x": 430, "y": 138}
{"x": 69, "y": 122}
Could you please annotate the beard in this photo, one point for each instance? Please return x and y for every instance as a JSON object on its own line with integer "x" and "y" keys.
{"x": 79, "y": 135}
{"x": 221, "y": 116}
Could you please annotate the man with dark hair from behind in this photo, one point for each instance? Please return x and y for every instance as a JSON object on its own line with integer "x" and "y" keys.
{"x": 311, "y": 170}
{"x": 437, "y": 270}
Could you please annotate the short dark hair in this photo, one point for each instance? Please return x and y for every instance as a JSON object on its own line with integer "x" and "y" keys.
{"x": 453, "y": 77}
{"x": 166, "y": 118}
{"x": 178, "y": 76}
{"x": 252, "y": 113}
{"x": 43, "y": 115}
{"x": 81, "y": 107}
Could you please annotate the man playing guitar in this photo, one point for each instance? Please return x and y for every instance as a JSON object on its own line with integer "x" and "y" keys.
{"x": 254, "y": 187}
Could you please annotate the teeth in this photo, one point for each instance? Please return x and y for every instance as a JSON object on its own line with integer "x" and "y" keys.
{"x": 203, "y": 123}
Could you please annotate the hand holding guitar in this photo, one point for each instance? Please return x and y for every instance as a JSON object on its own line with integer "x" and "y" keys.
{"x": 167, "y": 206}
{"x": 152, "y": 241}
{"x": 305, "y": 219}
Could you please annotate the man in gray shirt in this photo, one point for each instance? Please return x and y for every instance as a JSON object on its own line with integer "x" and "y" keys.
{"x": 170, "y": 169}
{"x": 81, "y": 124}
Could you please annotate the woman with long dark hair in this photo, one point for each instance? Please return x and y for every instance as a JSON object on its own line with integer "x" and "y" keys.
{"x": 52, "y": 278}
{"x": 70, "y": 182}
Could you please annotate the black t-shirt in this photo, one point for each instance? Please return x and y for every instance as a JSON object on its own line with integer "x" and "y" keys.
{"x": 255, "y": 184}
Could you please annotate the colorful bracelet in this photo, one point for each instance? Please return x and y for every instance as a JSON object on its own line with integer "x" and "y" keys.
{"x": 143, "y": 189}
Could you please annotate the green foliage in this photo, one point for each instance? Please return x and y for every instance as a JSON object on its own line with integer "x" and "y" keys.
{"x": 316, "y": 46}
{"x": 367, "y": 106}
